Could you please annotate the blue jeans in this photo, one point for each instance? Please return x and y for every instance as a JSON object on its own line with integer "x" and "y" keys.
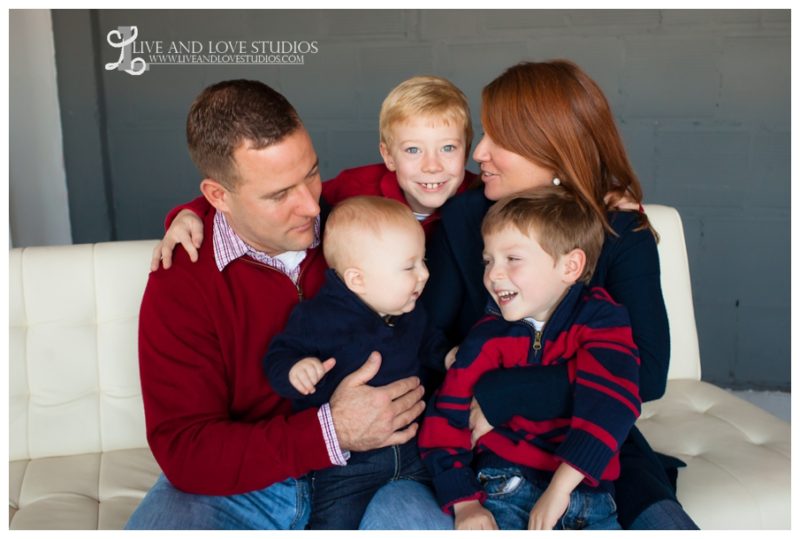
{"x": 510, "y": 498}
{"x": 341, "y": 494}
{"x": 664, "y": 515}
{"x": 405, "y": 505}
{"x": 282, "y": 506}
{"x": 400, "y": 505}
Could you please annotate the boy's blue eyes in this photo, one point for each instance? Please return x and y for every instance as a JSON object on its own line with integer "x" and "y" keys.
{"x": 448, "y": 148}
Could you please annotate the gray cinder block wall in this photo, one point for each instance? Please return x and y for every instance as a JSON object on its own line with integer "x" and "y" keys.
{"x": 702, "y": 98}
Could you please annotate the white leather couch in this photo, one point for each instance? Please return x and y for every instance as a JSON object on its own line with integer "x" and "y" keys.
{"x": 78, "y": 455}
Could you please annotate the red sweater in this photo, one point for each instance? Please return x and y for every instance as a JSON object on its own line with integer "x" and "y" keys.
{"x": 214, "y": 424}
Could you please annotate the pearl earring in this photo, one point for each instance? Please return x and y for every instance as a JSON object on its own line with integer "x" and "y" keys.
{"x": 556, "y": 182}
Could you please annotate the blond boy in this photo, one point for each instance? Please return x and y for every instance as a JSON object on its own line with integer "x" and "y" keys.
{"x": 425, "y": 138}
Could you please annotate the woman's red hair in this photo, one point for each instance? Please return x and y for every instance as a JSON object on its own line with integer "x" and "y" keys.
{"x": 553, "y": 114}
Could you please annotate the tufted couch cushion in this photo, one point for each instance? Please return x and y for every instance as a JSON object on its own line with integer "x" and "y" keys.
{"x": 737, "y": 456}
{"x": 79, "y": 458}
{"x": 80, "y": 492}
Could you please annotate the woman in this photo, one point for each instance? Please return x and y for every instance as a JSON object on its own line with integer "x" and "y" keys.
{"x": 550, "y": 123}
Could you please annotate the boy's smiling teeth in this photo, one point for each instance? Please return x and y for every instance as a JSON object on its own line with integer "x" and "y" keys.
{"x": 432, "y": 186}
{"x": 505, "y": 295}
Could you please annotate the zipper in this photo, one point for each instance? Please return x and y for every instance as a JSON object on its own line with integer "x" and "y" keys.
{"x": 297, "y": 284}
{"x": 537, "y": 340}
{"x": 537, "y": 335}
{"x": 537, "y": 344}
{"x": 300, "y": 295}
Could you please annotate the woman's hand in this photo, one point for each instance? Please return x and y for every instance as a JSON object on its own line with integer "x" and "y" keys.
{"x": 626, "y": 203}
{"x": 478, "y": 423}
{"x": 186, "y": 229}
{"x": 450, "y": 358}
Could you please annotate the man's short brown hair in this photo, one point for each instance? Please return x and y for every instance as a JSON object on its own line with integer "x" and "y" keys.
{"x": 557, "y": 217}
{"x": 230, "y": 113}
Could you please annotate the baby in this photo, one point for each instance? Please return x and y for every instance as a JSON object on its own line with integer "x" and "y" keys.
{"x": 375, "y": 249}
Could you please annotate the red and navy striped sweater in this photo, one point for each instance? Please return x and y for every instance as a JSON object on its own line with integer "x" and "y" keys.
{"x": 588, "y": 331}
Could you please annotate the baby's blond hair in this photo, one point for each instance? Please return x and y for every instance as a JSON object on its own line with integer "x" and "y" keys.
{"x": 353, "y": 218}
{"x": 429, "y": 97}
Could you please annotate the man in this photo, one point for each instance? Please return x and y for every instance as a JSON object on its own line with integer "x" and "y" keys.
{"x": 229, "y": 447}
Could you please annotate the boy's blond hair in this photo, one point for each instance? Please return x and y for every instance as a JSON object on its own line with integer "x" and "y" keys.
{"x": 355, "y": 217}
{"x": 428, "y": 97}
{"x": 560, "y": 222}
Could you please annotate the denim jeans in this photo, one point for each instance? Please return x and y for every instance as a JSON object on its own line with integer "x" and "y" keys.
{"x": 510, "y": 498}
{"x": 400, "y": 505}
{"x": 282, "y": 506}
{"x": 405, "y": 505}
{"x": 341, "y": 494}
{"x": 664, "y": 515}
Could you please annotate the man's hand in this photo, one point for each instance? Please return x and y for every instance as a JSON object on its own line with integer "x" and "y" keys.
{"x": 306, "y": 373}
{"x": 366, "y": 417}
{"x": 555, "y": 499}
{"x": 472, "y": 515}
{"x": 450, "y": 358}
{"x": 478, "y": 424}
{"x": 186, "y": 229}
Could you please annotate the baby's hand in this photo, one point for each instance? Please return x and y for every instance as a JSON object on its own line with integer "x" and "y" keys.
{"x": 472, "y": 515}
{"x": 450, "y": 358}
{"x": 307, "y": 373}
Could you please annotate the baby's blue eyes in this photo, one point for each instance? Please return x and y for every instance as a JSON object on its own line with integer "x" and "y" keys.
{"x": 449, "y": 148}
{"x": 412, "y": 150}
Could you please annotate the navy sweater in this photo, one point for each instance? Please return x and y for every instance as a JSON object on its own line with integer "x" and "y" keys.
{"x": 588, "y": 332}
{"x": 336, "y": 323}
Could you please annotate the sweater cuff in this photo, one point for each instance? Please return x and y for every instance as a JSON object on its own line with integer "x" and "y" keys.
{"x": 586, "y": 454}
{"x": 335, "y": 453}
{"x": 457, "y": 485}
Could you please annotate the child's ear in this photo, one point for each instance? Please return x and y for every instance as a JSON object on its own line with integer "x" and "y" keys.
{"x": 387, "y": 157}
{"x": 354, "y": 280}
{"x": 573, "y": 264}
{"x": 215, "y": 193}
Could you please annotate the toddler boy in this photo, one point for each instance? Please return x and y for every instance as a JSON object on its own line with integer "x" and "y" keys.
{"x": 375, "y": 249}
{"x": 540, "y": 248}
